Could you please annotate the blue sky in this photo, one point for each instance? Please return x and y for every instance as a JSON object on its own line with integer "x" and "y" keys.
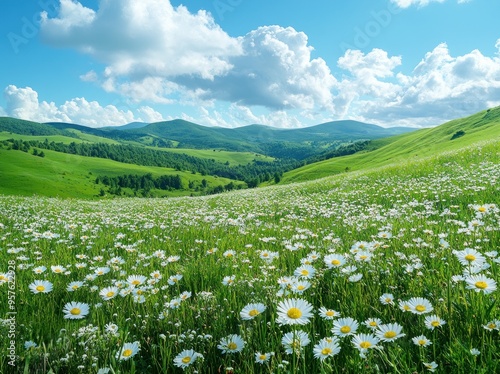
{"x": 237, "y": 62}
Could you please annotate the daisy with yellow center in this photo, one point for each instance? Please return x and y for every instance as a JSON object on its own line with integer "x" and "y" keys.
{"x": 294, "y": 312}
{"x": 262, "y": 358}
{"x": 73, "y": 286}
{"x": 493, "y": 325}
{"x": 421, "y": 341}
{"x": 128, "y": 351}
{"x": 37, "y": 270}
{"x": 40, "y": 286}
{"x": 231, "y": 344}
{"x": 328, "y": 314}
{"x": 327, "y": 347}
{"x": 300, "y": 286}
{"x": 419, "y": 305}
{"x": 251, "y": 311}
{"x": 389, "y": 332}
{"x": 334, "y": 260}
{"x": 345, "y": 326}
{"x": 364, "y": 342}
{"x": 58, "y": 269}
{"x": 431, "y": 366}
{"x": 372, "y": 323}
{"x": 305, "y": 271}
{"x": 136, "y": 280}
{"x": 75, "y": 310}
{"x": 109, "y": 293}
{"x": 433, "y": 321}
{"x": 187, "y": 358}
{"x": 481, "y": 283}
{"x": 470, "y": 257}
{"x": 387, "y": 299}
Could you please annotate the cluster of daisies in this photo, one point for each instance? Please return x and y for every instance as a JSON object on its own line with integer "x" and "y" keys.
{"x": 299, "y": 312}
{"x": 114, "y": 255}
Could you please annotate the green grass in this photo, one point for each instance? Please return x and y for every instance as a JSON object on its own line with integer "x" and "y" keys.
{"x": 65, "y": 175}
{"x": 234, "y": 158}
{"x": 82, "y": 138}
{"x": 398, "y": 228}
{"x": 403, "y": 148}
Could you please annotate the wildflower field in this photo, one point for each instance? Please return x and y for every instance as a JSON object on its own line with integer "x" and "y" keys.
{"x": 393, "y": 270}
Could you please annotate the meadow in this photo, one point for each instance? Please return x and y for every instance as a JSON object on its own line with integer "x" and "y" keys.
{"x": 389, "y": 270}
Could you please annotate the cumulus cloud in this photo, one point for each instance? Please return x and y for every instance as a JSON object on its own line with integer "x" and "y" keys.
{"x": 275, "y": 71}
{"x": 138, "y": 39}
{"x": 149, "y": 115}
{"x": 440, "y": 87}
{"x": 238, "y": 115}
{"x": 154, "y": 52}
{"x": 24, "y": 103}
{"x": 421, "y": 3}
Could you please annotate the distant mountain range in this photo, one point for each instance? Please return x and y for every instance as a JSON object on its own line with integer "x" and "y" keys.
{"x": 293, "y": 143}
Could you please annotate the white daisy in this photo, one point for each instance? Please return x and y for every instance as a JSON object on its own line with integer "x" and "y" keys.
{"x": 493, "y": 325}
{"x": 327, "y": 347}
{"x": 75, "y": 310}
{"x": 73, "y": 286}
{"x": 187, "y": 358}
{"x": 40, "y": 286}
{"x": 109, "y": 293}
{"x": 431, "y": 366}
{"x": 419, "y": 305}
{"x": 251, "y": 311}
{"x": 470, "y": 257}
{"x": 433, "y": 321}
{"x": 294, "y": 312}
{"x": 295, "y": 341}
{"x": 389, "y": 332}
{"x": 329, "y": 314}
{"x": 363, "y": 342}
{"x": 421, "y": 341}
{"x": 231, "y": 344}
{"x": 262, "y": 358}
{"x": 345, "y": 326}
{"x": 481, "y": 283}
{"x": 128, "y": 351}
{"x": 372, "y": 323}
{"x": 334, "y": 260}
{"x": 305, "y": 271}
{"x": 387, "y": 299}
{"x": 136, "y": 280}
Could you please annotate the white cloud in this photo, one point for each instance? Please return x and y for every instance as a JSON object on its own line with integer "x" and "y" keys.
{"x": 90, "y": 76}
{"x": 158, "y": 53}
{"x": 441, "y": 87}
{"x": 275, "y": 71}
{"x": 421, "y": 3}
{"x": 24, "y": 103}
{"x": 240, "y": 115}
{"x": 147, "y": 38}
{"x": 150, "y": 115}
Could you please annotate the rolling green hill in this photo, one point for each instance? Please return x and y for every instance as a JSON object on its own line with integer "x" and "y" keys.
{"x": 452, "y": 135}
{"x": 65, "y": 175}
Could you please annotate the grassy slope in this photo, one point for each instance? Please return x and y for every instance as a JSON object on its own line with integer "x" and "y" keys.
{"x": 234, "y": 158}
{"x": 65, "y": 175}
{"x": 82, "y": 138}
{"x": 402, "y": 148}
